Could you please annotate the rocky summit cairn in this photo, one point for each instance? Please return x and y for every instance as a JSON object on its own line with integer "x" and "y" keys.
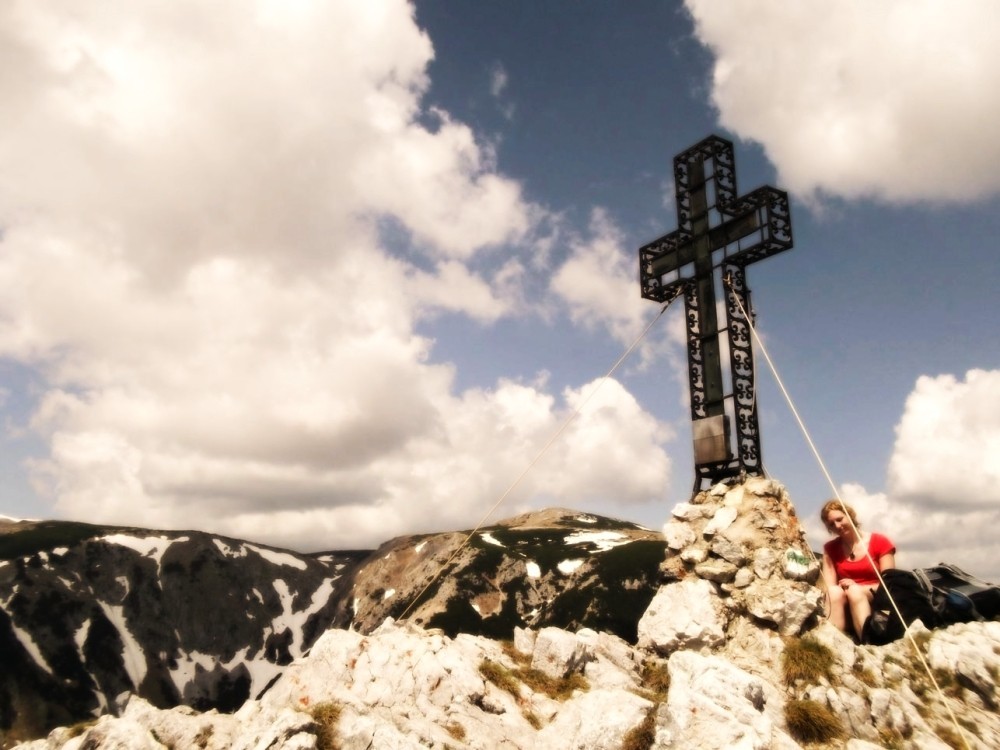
{"x": 738, "y": 566}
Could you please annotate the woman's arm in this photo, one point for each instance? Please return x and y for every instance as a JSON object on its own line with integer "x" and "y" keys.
{"x": 829, "y": 572}
{"x": 886, "y": 553}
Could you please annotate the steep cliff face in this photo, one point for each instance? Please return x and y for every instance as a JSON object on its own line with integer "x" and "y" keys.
{"x": 88, "y": 614}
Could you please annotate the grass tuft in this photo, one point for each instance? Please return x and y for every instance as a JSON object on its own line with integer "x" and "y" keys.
{"x": 326, "y": 715}
{"x": 865, "y": 674}
{"x": 807, "y": 660}
{"x": 642, "y": 736}
{"x": 809, "y": 721}
{"x": 510, "y": 680}
{"x": 204, "y": 735}
{"x": 500, "y": 676}
{"x": 79, "y": 728}
{"x": 559, "y": 688}
{"x": 890, "y": 739}
{"x": 656, "y": 679}
{"x": 522, "y": 660}
{"x": 950, "y": 737}
{"x": 456, "y": 730}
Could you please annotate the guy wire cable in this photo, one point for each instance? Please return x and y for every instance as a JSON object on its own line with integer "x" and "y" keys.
{"x": 535, "y": 460}
{"x": 857, "y": 532}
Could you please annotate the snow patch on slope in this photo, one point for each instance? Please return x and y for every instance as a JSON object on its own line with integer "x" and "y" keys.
{"x": 80, "y": 636}
{"x": 568, "y": 566}
{"x": 603, "y": 540}
{"x": 278, "y": 558}
{"x": 147, "y": 546}
{"x": 490, "y": 539}
{"x": 228, "y": 550}
{"x": 133, "y": 656}
{"x": 31, "y": 647}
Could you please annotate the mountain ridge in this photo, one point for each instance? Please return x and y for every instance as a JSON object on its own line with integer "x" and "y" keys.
{"x": 514, "y": 645}
{"x": 183, "y": 617}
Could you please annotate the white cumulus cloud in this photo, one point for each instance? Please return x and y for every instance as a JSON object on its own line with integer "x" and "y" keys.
{"x": 895, "y": 99}
{"x": 598, "y": 284}
{"x": 947, "y": 447}
{"x": 194, "y": 200}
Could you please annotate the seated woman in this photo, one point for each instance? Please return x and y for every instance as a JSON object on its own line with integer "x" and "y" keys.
{"x": 848, "y": 565}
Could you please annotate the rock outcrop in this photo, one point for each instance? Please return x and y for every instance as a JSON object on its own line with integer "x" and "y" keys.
{"x": 403, "y": 687}
{"x": 738, "y": 563}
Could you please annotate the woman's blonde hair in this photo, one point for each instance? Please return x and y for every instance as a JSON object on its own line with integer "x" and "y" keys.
{"x": 831, "y": 505}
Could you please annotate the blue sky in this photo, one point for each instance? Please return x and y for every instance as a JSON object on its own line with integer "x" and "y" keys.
{"x": 318, "y": 274}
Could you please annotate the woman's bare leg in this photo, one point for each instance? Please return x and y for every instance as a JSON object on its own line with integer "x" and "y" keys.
{"x": 859, "y": 601}
{"x": 838, "y": 607}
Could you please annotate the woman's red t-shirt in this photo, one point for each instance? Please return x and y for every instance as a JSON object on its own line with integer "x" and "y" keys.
{"x": 861, "y": 570}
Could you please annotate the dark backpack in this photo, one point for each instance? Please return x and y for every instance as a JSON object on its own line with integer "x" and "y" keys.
{"x": 964, "y": 591}
{"x": 936, "y": 596}
{"x": 915, "y": 598}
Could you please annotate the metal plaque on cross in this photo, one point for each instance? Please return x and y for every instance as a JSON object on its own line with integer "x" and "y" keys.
{"x": 719, "y": 234}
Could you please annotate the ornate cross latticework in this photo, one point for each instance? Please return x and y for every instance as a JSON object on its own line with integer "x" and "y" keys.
{"x": 717, "y": 230}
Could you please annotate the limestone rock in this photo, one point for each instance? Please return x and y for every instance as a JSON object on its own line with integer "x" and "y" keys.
{"x": 696, "y": 553}
{"x": 404, "y": 688}
{"x": 678, "y": 535}
{"x": 764, "y": 561}
{"x": 524, "y": 640}
{"x": 744, "y": 577}
{"x": 686, "y": 614}
{"x": 721, "y": 521}
{"x": 673, "y": 569}
{"x": 845, "y": 653}
{"x": 596, "y": 720}
{"x": 688, "y": 511}
{"x": 799, "y": 566}
{"x": 559, "y": 654}
{"x": 719, "y": 571}
{"x": 184, "y": 727}
{"x": 789, "y": 605}
{"x": 747, "y": 539}
{"x": 729, "y": 551}
{"x": 714, "y": 705}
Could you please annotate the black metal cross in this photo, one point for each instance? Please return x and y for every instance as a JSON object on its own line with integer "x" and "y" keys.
{"x": 717, "y": 230}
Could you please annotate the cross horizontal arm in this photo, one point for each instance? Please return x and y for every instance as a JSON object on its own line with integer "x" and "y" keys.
{"x": 758, "y": 225}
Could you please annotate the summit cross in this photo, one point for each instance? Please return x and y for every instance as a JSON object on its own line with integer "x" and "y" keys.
{"x": 719, "y": 234}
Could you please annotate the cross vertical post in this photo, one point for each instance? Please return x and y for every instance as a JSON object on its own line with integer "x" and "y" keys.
{"x": 717, "y": 231}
